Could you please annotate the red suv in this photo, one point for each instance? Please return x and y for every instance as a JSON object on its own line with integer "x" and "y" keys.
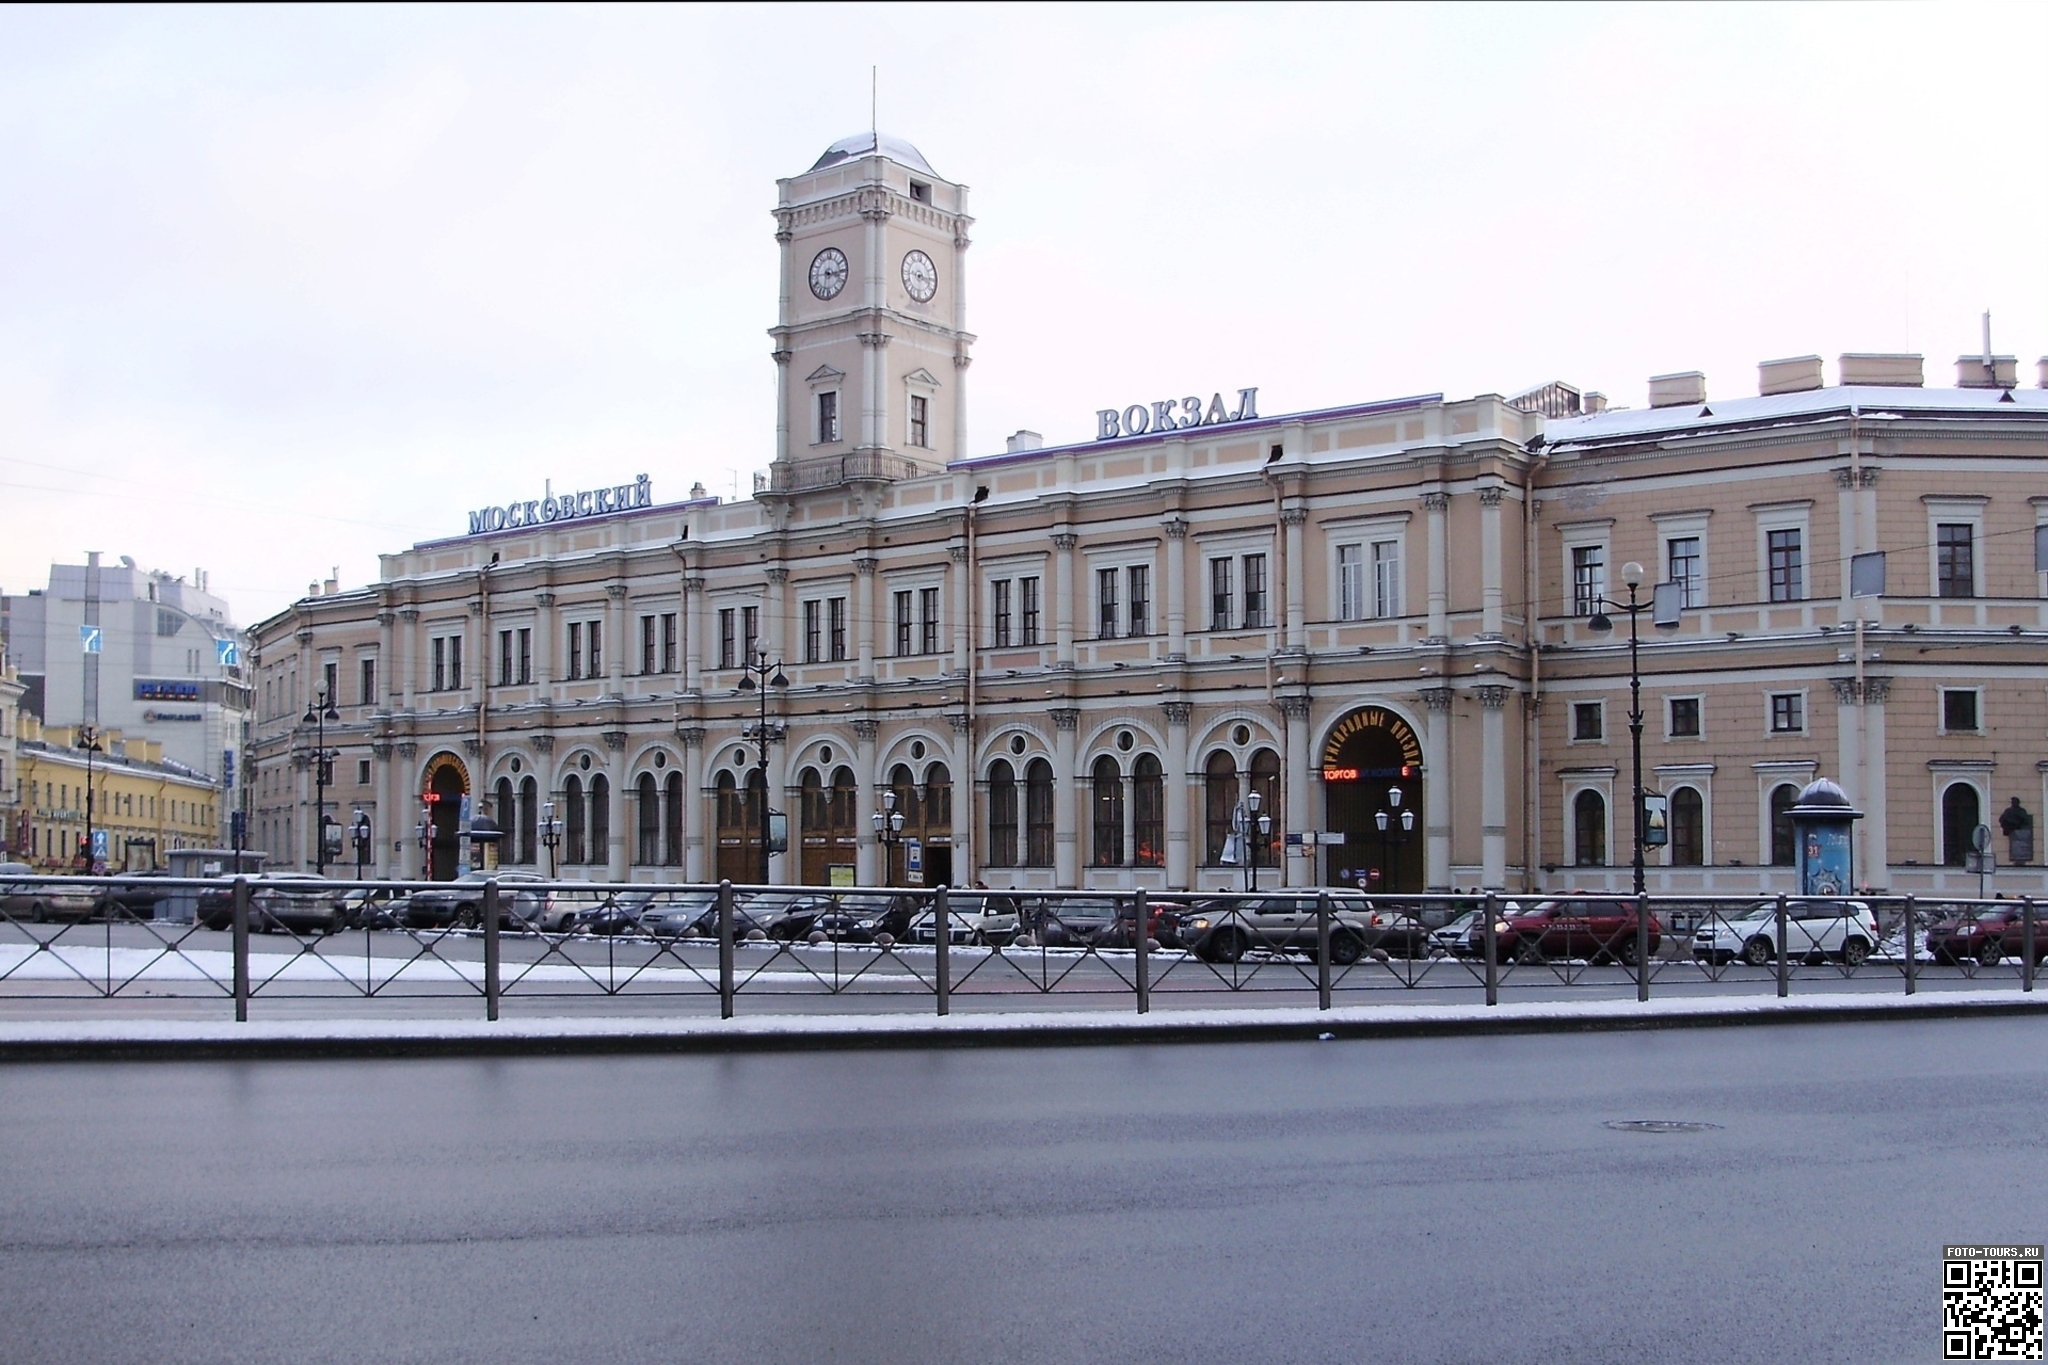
{"x": 1596, "y": 930}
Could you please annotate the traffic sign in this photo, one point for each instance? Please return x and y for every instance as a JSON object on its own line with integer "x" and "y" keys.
{"x": 227, "y": 653}
{"x": 89, "y": 639}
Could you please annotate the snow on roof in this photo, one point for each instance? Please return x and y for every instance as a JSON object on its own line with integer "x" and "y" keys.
{"x": 1870, "y": 401}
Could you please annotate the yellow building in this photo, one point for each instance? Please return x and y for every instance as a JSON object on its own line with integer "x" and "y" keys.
{"x": 145, "y": 805}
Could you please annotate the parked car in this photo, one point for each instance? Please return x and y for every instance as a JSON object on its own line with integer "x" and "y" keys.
{"x": 2015, "y": 942}
{"x": 694, "y": 919}
{"x": 978, "y": 917}
{"x": 1225, "y": 929}
{"x": 135, "y": 899}
{"x": 460, "y": 903}
{"x": 865, "y": 916}
{"x": 613, "y": 915}
{"x": 297, "y": 903}
{"x": 789, "y": 917}
{"x": 678, "y": 907}
{"x": 1814, "y": 930}
{"x": 1594, "y": 930}
{"x": 1455, "y": 938}
{"x": 1073, "y": 921}
{"x": 379, "y": 907}
{"x": 40, "y": 904}
{"x": 1979, "y": 932}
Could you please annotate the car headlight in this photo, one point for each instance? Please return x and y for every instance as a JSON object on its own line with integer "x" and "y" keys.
{"x": 1500, "y": 927}
{"x": 1198, "y": 924}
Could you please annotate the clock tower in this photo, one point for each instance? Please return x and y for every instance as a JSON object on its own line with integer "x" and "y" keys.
{"x": 871, "y": 347}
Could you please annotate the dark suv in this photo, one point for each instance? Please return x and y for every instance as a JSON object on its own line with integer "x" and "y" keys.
{"x": 1595, "y": 930}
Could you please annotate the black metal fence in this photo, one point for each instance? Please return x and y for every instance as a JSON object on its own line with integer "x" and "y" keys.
{"x": 511, "y": 936}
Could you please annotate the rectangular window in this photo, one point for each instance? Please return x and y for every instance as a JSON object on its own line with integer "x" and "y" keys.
{"x": 814, "y": 631}
{"x": 1685, "y": 718}
{"x": 439, "y": 650}
{"x": 1140, "y": 580}
{"x": 1787, "y": 566}
{"x": 525, "y": 654}
{"x": 1105, "y": 604}
{"x": 455, "y": 662}
{"x": 828, "y": 417}
{"x": 1221, "y": 598}
{"x": 1959, "y": 709}
{"x": 903, "y": 623}
{"x": 1386, "y": 578}
{"x": 1682, "y": 560}
{"x": 1955, "y": 560}
{"x": 504, "y": 658}
{"x": 367, "y": 669}
{"x": 362, "y": 772}
{"x": 575, "y": 649}
{"x": 330, "y": 682}
{"x": 928, "y": 620}
{"x": 1254, "y": 592}
{"x": 1788, "y": 713}
{"x": 1027, "y": 610}
{"x": 728, "y": 639}
{"x": 835, "y": 628}
{"x": 920, "y": 421}
{"x": 648, "y": 657}
{"x": 999, "y": 615}
{"x": 750, "y": 630}
{"x": 595, "y": 630}
{"x": 1588, "y": 722}
{"x": 668, "y": 642}
{"x": 1350, "y": 582}
{"x": 1589, "y": 578}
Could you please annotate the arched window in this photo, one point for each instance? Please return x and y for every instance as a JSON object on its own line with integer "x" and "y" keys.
{"x": 1038, "y": 813}
{"x": 1219, "y": 802}
{"x": 1589, "y": 830}
{"x": 1002, "y": 814}
{"x": 1266, "y": 782}
{"x": 600, "y": 819}
{"x": 938, "y": 802}
{"x": 1784, "y": 847}
{"x": 529, "y": 819}
{"x": 672, "y": 822}
{"x": 572, "y": 815}
{"x": 647, "y": 822}
{"x": 505, "y": 812}
{"x": 1688, "y": 828}
{"x": 1106, "y": 801}
{"x": 1960, "y": 815}
{"x": 844, "y": 814}
{"x": 1148, "y": 813}
{"x": 810, "y": 804}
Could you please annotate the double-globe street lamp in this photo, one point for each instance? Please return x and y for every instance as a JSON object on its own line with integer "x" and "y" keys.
{"x": 1395, "y": 823}
{"x": 318, "y": 713}
{"x": 551, "y": 835}
{"x": 1664, "y": 605}
{"x": 359, "y": 830}
{"x": 88, "y": 740}
{"x": 888, "y": 822}
{"x": 1252, "y": 829}
{"x": 758, "y": 675}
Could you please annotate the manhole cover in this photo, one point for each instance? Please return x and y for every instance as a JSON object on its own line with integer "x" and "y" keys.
{"x": 1659, "y": 1126}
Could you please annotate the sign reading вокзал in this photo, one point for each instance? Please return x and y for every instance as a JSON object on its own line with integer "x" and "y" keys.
{"x": 588, "y": 502}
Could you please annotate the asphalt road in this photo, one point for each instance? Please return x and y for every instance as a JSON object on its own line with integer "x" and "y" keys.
{"x": 1455, "y": 1200}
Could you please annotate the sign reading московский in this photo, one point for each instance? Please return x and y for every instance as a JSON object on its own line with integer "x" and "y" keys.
{"x": 590, "y": 502}
{"x": 1139, "y": 418}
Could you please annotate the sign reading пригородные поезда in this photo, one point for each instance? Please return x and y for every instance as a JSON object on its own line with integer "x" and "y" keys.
{"x": 589, "y": 502}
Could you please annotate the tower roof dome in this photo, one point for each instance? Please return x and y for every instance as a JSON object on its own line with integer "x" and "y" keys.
{"x": 868, "y": 144}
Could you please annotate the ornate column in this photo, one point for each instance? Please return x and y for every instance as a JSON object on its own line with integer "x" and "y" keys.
{"x": 963, "y": 657}
{"x": 866, "y": 612}
{"x": 1179, "y": 857}
{"x": 620, "y": 641}
{"x": 545, "y": 630}
{"x": 1176, "y": 590}
{"x": 387, "y": 679}
{"x": 1066, "y": 862}
{"x": 966, "y": 869}
{"x": 694, "y": 626}
{"x": 1291, "y": 521}
{"x": 391, "y": 821}
{"x": 1063, "y": 599}
{"x": 1437, "y": 504}
{"x": 411, "y": 864}
{"x": 1491, "y": 590}
{"x": 774, "y": 630}
{"x": 696, "y": 866}
{"x": 867, "y": 862}
{"x": 409, "y": 656}
{"x": 1860, "y": 722}
{"x": 623, "y": 816}
{"x": 1436, "y": 788}
{"x": 1298, "y": 871}
{"x": 1493, "y": 788}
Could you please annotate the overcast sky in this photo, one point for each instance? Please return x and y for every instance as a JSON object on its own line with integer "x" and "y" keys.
{"x": 283, "y": 288}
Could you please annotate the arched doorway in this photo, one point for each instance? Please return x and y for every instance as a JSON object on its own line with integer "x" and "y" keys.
{"x": 828, "y": 814}
{"x": 738, "y": 809}
{"x": 1369, "y": 756}
{"x": 1961, "y": 812}
{"x": 446, "y": 792}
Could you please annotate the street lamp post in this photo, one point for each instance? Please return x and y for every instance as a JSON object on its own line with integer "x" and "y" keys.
{"x": 550, "y": 833}
{"x": 359, "y": 828}
{"x": 1252, "y": 829}
{"x": 768, "y": 675}
{"x": 888, "y": 823}
{"x": 1632, "y": 576}
{"x": 317, "y": 715}
{"x": 1395, "y": 822}
{"x": 89, "y": 740}
{"x": 424, "y": 832}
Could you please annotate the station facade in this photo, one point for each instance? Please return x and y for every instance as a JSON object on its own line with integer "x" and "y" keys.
{"x": 1209, "y": 648}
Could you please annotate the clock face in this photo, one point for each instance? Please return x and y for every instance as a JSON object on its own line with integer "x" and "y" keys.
{"x": 920, "y": 276}
{"x": 828, "y": 272}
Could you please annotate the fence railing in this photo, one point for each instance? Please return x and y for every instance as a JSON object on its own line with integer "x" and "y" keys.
{"x": 513, "y": 936}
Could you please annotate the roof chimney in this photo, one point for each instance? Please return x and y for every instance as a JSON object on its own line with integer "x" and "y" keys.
{"x": 2041, "y": 368}
{"x": 1885, "y": 369}
{"x": 1026, "y": 440}
{"x": 1796, "y": 374}
{"x": 1677, "y": 390}
{"x": 1596, "y": 401}
{"x": 1986, "y": 372}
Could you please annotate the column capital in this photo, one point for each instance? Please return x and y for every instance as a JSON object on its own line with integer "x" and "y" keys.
{"x": 385, "y": 618}
{"x": 1876, "y": 690}
{"x": 1294, "y": 516}
{"x": 544, "y": 599}
{"x": 1437, "y": 698}
{"x": 1064, "y": 540}
{"x": 692, "y": 736}
{"x": 615, "y": 740}
{"x": 1066, "y": 718}
{"x": 615, "y": 590}
{"x": 408, "y": 614}
{"x": 958, "y": 720}
{"x": 1176, "y": 528}
{"x": 1178, "y": 712}
{"x": 957, "y": 553}
{"x": 866, "y": 730}
{"x": 408, "y": 750}
{"x": 1436, "y": 501}
{"x": 866, "y": 566}
{"x": 473, "y": 747}
{"x": 777, "y": 575}
{"x": 380, "y": 749}
{"x": 544, "y": 742}
{"x": 1490, "y": 496}
{"x": 1846, "y": 691}
{"x": 1492, "y": 697}
{"x": 1294, "y": 708}
{"x": 693, "y": 583}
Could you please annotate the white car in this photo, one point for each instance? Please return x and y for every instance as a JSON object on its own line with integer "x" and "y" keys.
{"x": 971, "y": 917}
{"x": 1843, "y": 930}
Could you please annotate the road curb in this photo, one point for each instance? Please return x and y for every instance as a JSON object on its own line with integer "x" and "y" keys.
{"x": 148, "y": 1041}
